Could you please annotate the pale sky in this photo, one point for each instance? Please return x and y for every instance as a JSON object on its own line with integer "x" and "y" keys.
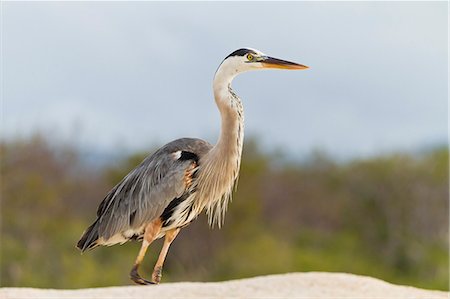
{"x": 118, "y": 75}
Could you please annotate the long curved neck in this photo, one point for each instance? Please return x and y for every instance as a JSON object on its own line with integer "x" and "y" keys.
{"x": 220, "y": 167}
{"x": 232, "y": 114}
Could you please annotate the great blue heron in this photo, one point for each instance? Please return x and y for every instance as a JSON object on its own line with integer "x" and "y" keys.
{"x": 170, "y": 188}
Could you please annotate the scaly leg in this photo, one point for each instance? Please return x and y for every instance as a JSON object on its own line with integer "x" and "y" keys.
{"x": 157, "y": 271}
{"x": 151, "y": 231}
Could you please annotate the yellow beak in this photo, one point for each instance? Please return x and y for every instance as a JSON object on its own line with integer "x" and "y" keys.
{"x": 275, "y": 63}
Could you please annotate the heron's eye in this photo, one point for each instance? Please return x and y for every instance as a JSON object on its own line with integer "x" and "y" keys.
{"x": 250, "y": 57}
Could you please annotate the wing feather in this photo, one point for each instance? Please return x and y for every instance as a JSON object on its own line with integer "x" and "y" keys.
{"x": 148, "y": 189}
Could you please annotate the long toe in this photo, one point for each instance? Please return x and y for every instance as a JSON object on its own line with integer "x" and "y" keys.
{"x": 136, "y": 278}
{"x": 141, "y": 281}
{"x": 157, "y": 274}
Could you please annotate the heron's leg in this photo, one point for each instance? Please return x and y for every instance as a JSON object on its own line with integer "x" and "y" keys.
{"x": 134, "y": 275}
{"x": 157, "y": 271}
{"x": 151, "y": 231}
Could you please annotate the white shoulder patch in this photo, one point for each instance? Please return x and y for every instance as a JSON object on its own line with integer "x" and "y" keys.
{"x": 176, "y": 155}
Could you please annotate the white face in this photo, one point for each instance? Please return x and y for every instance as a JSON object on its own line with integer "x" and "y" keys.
{"x": 247, "y": 59}
{"x": 240, "y": 64}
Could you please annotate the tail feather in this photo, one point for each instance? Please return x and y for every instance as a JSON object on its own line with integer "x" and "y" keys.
{"x": 89, "y": 238}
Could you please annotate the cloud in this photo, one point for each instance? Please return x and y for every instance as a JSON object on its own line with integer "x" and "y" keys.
{"x": 141, "y": 72}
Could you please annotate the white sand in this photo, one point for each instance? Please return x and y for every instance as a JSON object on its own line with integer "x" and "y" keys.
{"x": 294, "y": 285}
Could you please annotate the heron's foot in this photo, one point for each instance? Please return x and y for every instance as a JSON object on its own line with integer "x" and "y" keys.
{"x": 157, "y": 274}
{"x": 134, "y": 275}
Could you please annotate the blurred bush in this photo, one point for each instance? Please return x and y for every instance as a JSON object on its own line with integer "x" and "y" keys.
{"x": 385, "y": 217}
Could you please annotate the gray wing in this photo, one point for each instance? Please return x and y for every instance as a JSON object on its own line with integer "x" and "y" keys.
{"x": 148, "y": 189}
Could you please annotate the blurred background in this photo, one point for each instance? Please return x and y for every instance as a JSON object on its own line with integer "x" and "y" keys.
{"x": 345, "y": 165}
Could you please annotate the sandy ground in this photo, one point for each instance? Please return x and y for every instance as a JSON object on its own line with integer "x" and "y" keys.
{"x": 292, "y": 285}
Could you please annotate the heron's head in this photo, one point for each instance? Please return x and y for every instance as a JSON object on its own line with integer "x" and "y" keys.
{"x": 247, "y": 59}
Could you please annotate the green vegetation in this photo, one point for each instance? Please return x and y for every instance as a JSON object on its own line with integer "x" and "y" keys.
{"x": 385, "y": 217}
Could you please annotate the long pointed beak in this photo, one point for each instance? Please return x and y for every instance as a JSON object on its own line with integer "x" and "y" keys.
{"x": 275, "y": 63}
